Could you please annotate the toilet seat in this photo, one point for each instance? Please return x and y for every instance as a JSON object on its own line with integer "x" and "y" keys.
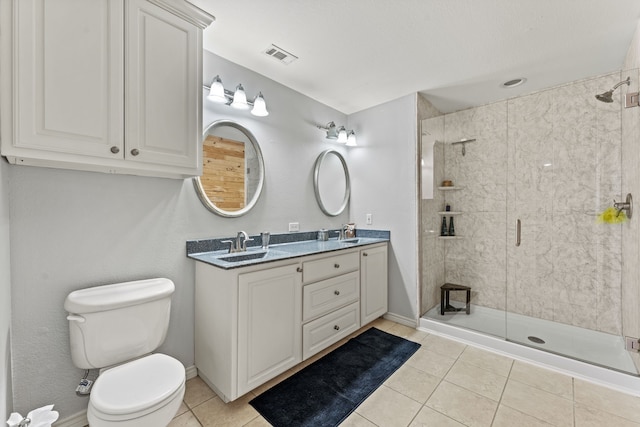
{"x": 137, "y": 388}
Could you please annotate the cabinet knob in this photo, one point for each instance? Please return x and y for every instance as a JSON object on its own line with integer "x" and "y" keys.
{"x": 336, "y": 265}
{"x": 336, "y": 327}
{"x": 115, "y": 150}
{"x": 365, "y": 254}
{"x": 135, "y": 152}
{"x": 336, "y": 292}
{"x": 299, "y": 269}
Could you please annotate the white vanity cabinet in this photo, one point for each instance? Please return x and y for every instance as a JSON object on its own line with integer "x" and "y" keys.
{"x": 330, "y": 300}
{"x": 247, "y": 324}
{"x": 255, "y": 322}
{"x": 103, "y": 85}
{"x": 268, "y": 325}
{"x": 374, "y": 282}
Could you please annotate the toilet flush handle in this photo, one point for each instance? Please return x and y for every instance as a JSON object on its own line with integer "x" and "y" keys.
{"x": 76, "y": 318}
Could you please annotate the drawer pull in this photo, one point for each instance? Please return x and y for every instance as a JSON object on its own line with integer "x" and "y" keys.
{"x": 135, "y": 152}
{"x": 336, "y": 292}
{"x": 365, "y": 254}
{"x": 115, "y": 150}
{"x": 336, "y": 327}
{"x": 336, "y": 265}
{"x": 299, "y": 269}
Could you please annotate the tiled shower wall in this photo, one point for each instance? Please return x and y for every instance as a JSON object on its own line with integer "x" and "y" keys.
{"x": 553, "y": 160}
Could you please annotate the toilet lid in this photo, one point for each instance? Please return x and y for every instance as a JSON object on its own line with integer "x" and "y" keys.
{"x": 137, "y": 385}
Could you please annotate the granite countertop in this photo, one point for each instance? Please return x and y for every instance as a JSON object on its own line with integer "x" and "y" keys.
{"x": 285, "y": 246}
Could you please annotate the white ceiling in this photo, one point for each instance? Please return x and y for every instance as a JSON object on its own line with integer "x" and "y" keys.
{"x": 355, "y": 54}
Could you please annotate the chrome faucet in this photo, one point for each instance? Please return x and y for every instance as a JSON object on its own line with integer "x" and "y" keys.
{"x": 232, "y": 248}
{"x": 342, "y": 233}
{"x": 238, "y": 245}
{"x": 241, "y": 245}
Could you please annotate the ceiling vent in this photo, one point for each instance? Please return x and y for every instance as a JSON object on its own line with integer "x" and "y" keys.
{"x": 280, "y": 54}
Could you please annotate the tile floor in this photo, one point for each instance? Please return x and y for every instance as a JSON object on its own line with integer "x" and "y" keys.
{"x": 445, "y": 384}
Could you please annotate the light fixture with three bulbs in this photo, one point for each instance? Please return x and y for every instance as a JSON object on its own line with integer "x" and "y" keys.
{"x": 340, "y": 134}
{"x": 237, "y": 99}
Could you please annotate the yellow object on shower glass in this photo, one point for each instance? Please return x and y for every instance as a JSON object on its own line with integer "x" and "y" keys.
{"x": 611, "y": 216}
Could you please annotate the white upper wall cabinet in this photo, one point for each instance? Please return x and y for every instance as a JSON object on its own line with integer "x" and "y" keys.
{"x": 68, "y": 77}
{"x": 103, "y": 85}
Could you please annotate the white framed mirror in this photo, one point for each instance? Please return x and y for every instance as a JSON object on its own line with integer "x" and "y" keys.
{"x": 331, "y": 182}
{"x": 233, "y": 169}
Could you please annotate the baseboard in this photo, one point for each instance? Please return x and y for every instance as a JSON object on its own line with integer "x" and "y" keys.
{"x": 80, "y": 419}
{"x": 76, "y": 420}
{"x": 401, "y": 319}
{"x": 191, "y": 372}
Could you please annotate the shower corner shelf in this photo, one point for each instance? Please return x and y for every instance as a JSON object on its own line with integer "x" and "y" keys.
{"x": 449, "y": 188}
{"x": 449, "y": 213}
{"x": 450, "y": 237}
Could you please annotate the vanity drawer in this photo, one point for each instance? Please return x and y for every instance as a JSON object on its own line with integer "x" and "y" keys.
{"x": 321, "y": 333}
{"x": 312, "y": 271}
{"x": 320, "y": 298}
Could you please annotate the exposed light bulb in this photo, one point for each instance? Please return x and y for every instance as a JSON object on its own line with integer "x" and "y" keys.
{"x": 240, "y": 99}
{"x": 259, "y": 106}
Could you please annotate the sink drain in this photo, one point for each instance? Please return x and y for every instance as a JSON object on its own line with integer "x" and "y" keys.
{"x": 536, "y": 340}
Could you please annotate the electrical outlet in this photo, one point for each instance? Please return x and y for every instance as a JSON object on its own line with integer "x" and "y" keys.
{"x": 369, "y": 219}
{"x": 294, "y": 226}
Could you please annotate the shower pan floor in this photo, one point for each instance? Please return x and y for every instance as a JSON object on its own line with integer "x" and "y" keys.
{"x": 581, "y": 344}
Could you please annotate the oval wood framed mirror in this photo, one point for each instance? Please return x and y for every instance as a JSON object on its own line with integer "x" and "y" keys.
{"x": 233, "y": 169}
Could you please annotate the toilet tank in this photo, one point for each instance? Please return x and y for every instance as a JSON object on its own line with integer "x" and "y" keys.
{"x": 111, "y": 324}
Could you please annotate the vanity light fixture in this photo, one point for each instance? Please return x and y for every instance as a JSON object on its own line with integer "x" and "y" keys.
{"x": 341, "y": 134}
{"x": 239, "y": 99}
{"x": 236, "y": 99}
{"x": 351, "y": 139}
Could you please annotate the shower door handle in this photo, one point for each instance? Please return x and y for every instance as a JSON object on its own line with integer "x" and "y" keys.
{"x": 518, "y": 235}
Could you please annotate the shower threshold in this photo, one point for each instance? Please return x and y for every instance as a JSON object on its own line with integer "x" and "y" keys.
{"x": 582, "y": 353}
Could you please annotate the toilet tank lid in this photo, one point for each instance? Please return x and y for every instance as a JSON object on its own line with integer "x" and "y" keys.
{"x": 110, "y": 297}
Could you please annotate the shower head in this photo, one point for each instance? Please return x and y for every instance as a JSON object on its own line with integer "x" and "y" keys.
{"x": 608, "y": 95}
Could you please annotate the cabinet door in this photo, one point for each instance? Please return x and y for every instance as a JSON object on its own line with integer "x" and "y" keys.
{"x": 67, "y": 77}
{"x": 163, "y": 88}
{"x": 269, "y": 324}
{"x": 374, "y": 283}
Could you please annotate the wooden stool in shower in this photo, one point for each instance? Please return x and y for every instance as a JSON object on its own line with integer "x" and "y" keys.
{"x": 445, "y": 307}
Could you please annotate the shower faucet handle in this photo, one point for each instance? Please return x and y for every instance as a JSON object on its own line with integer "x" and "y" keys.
{"x": 626, "y": 206}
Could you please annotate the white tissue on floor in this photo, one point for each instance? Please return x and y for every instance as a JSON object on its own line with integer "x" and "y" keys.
{"x": 41, "y": 417}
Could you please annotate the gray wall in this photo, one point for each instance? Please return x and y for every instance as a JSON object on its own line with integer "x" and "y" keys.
{"x": 5, "y": 296}
{"x": 385, "y": 185}
{"x": 73, "y": 229}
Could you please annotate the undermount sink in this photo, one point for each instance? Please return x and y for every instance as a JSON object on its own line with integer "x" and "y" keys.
{"x": 350, "y": 241}
{"x": 243, "y": 256}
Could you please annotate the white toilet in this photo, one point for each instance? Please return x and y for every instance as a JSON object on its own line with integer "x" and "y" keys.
{"x": 115, "y": 328}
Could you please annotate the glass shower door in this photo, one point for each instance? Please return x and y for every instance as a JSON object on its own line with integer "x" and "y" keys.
{"x": 564, "y": 278}
{"x": 472, "y": 155}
